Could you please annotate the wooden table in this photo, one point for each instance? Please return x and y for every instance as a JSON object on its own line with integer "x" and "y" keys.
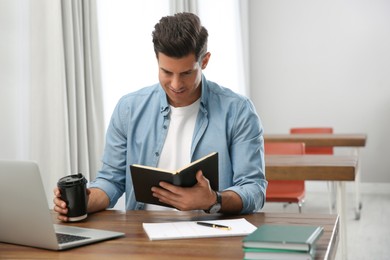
{"x": 354, "y": 141}
{"x": 310, "y": 167}
{"x": 317, "y": 167}
{"x": 136, "y": 245}
{"x": 334, "y": 140}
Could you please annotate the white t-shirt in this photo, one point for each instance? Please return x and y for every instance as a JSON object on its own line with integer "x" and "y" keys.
{"x": 176, "y": 151}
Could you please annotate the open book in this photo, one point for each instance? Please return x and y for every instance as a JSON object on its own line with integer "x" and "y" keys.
{"x": 145, "y": 177}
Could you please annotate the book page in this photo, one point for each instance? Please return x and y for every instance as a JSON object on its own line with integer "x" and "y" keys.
{"x": 190, "y": 229}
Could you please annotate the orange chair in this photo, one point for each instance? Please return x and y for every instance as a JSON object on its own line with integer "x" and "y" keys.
{"x": 319, "y": 150}
{"x": 285, "y": 191}
{"x": 314, "y": 130}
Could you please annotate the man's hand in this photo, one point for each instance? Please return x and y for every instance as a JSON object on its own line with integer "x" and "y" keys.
{"x": 60, "y": 206}
{"x": 200, "y": 196}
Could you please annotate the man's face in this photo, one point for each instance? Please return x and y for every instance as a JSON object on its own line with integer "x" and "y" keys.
{"x": 181, "y": 78}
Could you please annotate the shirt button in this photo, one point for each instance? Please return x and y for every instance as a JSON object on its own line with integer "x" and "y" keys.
{"x": 165, "y": 127}
{"x": 157, "y": 154}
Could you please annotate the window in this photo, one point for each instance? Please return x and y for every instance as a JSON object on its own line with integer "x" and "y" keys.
{"x": 222, "y": 20}
{"x": 127, "y": 56}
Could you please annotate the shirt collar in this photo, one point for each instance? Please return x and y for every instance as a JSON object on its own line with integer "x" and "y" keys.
{"x": 164, "y": 105}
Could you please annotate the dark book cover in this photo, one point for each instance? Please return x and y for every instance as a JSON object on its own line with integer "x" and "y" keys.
{"x": 145, "y": 177}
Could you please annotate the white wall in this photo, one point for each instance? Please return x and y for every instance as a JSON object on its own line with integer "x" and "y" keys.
{"x": 325, "y": 63}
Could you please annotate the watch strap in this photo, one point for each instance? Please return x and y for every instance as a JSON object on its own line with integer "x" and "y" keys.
{"x": 217, "y": 205}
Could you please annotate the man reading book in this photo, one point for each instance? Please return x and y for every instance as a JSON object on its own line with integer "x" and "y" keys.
{"x": 176, "y": 121}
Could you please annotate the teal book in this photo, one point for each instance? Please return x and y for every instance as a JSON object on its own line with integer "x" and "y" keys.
{"x": 278, "y": 254}
{"x": 286, "y": 237}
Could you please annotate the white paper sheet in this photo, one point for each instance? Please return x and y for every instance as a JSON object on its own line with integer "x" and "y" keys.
{"x": 189, "y": 229}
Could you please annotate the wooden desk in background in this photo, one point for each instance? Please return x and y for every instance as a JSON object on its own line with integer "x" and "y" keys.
{"x": 334, "y": 140}
{"x": 136, "y": 245}
{"x": 354, "y": 141}
{"x": 310, "y": 167}
{"x": 318, "y": 168}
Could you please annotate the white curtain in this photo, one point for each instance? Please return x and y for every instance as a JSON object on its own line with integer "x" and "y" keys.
{"x": 178, "y": 6}
{"x": 65, "y": 127}
{"x": 84, "y": 101}
{"x": 243, "y": 44}
{"x": 14, "y": 77}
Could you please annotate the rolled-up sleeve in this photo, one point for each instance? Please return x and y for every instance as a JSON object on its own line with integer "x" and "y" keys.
{"x": 247, "y": 155}
{"x": 112, "y": 176}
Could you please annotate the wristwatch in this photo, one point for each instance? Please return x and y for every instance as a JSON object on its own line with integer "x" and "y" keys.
{"x": 215, "y": 208}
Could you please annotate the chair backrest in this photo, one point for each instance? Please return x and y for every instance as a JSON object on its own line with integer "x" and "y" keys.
{"x": 314, "y": 130}
{"x": 284, "y": 148}
{"x": 282, "y": 190}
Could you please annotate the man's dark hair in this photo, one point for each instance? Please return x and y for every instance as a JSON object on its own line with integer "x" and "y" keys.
{"x": 179, "y": 35}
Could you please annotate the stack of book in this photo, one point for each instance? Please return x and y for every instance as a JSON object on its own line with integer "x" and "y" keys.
{"x": 282, "y": 242}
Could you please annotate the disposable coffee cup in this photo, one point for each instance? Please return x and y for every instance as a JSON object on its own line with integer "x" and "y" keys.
{"x": 74, "y": 192}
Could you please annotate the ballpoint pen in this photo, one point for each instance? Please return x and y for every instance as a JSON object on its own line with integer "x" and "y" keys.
{"x": 213, "y": 225}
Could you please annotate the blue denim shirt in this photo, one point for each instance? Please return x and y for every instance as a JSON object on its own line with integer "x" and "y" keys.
{"x": 227, "y": 123}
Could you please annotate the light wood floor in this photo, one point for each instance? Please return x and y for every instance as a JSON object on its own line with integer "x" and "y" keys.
{"x": 369, "y": 237}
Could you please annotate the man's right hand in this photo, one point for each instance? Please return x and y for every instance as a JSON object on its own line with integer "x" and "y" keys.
{"x": 97, "y": 201}
{"x": 60, "y": 205}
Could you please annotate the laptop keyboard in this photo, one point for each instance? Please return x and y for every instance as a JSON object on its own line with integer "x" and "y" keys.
{"x": 66, "y": 238}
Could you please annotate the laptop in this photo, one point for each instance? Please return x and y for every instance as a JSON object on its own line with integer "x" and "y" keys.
{"x": 25, "y": 218}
